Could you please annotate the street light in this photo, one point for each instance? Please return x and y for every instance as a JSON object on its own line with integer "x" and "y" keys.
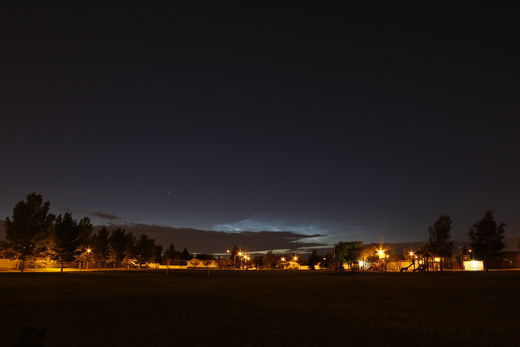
{"x": 88, "y": 255}
{"x": 239, "y": 254}
{"x": 381, "y": 253}
{"x": 295, "y": 258}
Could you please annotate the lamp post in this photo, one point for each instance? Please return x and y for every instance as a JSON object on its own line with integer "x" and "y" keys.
{"x": 295, "y": 258}
{"x": 412, "y": 254}
{"x": 88, "y": 256}
{"x": 381, "y": 254}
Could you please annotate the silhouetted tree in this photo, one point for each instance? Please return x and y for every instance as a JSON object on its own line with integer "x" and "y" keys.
{"x": 144, "y": 249}
{"x": 100, "y": 248}
{"x": 313, "y": 260}
{"x": 25, "y": 230}
{"x": 158, "y": 250}
{"x": 347, "y": 252}
{"x": 270, "y": 260}
{"x": 185, "y": 255}
{"x": 85, "y": 239}
{"x": 487, "y": 238}
{"x": 258, "y": 261}
{"x": 85, "y": 232}
{"x": 130, "y": 248}
{"x": 117, "y": 243}
{"x": 439, "y": 240}
{"x": 234, "y": 252}
{"x": 67, "y": 238}
{"x": 327, "y": 261}
{"x": 170, "y": 254}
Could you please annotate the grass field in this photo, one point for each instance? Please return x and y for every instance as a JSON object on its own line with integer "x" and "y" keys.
{"x": 262, "y": 308}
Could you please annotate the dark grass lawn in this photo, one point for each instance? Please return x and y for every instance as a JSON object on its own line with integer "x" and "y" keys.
{"x": 262, "y": 308}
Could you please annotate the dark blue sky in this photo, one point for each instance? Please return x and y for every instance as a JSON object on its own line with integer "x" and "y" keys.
{"x": 359, "y": 123}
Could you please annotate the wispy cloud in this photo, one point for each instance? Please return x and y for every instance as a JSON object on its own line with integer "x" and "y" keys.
{"x": 265, "y": 222}
{"x": 105, "y": 216}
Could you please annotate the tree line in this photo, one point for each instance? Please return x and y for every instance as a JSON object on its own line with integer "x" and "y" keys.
{"x": 32, "y": 231}
{"x": 486, "y": 241}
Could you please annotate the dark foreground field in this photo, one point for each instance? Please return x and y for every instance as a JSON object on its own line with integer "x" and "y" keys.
{"x": 262, "y": 308}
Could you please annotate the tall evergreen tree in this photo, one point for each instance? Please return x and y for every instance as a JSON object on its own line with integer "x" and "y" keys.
{"x": 100, "y": 247}
{"x": 487, "y": 238}
{"x": 118, "y": 245}
{"x": 170, "y": 254}
{"x": 185, "y": 255}
{"x": 85, "y": 232}
{"x": 129, "y": 241}
{"x": 439, "y": 240}
{"x": 67, "y": 238}
{"x": 25, "y": 230}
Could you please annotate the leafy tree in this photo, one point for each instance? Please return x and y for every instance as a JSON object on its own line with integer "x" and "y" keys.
{"x": 327, "y": 261}
{"x": 439, "y": 240}
{"x": 347, "y": 252}
{"x": 170, "y": 254}
{"x": 270, "y": 260}
{"x": 100, "y": 247}
{"x": 130, "y": 243}
{"x": 85, "y": 239}
{"x": 117, "y": 243}
{"x": 29, "y": 225}
{"x": 258, "y": 261}
{"x": 487, "y": 238}
{"x": 158, "y": 250}
{"x": 185, "y": 255}
{"x": 144, "y": 249}
{"x": 67, "y": 238}
{"x": 85, "y": 232}
{"x": 313, "y": 260}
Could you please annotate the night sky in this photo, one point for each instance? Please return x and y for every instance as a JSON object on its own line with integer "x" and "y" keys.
{"x": 352, "y": 122}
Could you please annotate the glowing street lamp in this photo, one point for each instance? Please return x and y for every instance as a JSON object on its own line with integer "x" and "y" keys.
{"x": 411, "y": 253}
{"x": 381, "y": 254}
{"x": 282, "y": 259}
{"x": 88, "y": 255}
{"x": 295, "y": 258}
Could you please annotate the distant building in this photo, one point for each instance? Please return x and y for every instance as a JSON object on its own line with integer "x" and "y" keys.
{"x": 473, "y": 265}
